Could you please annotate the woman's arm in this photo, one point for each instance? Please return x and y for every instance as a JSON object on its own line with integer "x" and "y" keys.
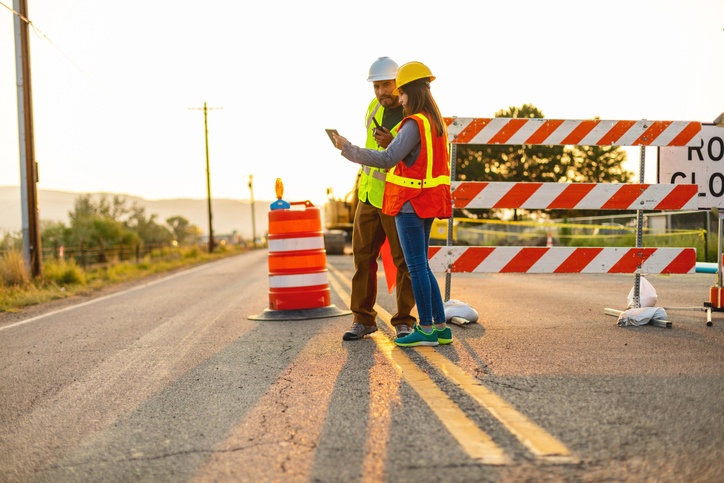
{"x": 404, "y": 144}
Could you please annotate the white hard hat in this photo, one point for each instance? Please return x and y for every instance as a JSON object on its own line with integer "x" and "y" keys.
{"x": 383, "y": 68}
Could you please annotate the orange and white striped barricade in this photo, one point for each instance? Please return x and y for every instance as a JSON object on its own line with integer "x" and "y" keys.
{"x": 548, "y": 196}
{"x": 561, "y": 260}
{"x": 573, "y": 196}
{"x": 568, "y": 196}
{"x": 589, "y": 132}
{"x": 298, "y": 277}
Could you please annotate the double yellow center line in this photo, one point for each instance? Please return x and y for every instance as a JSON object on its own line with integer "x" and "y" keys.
{"x": 474, "y": 441}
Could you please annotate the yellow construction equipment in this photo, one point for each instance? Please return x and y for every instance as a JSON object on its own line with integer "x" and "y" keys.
{"x": 339, "y": 213}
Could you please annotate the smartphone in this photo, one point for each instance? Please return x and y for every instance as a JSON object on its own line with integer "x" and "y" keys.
{"x": 377, "y": 124}
{"x": 329, "y": 133}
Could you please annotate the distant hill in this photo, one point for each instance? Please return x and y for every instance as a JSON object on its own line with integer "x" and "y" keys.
{"x": 227, "y": 215}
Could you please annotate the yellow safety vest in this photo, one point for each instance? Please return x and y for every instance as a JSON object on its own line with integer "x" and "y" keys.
{"x": 371, "y": 187}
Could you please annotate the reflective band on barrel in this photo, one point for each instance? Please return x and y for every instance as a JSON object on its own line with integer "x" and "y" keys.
{"x": 301, "y": 280}
{"x": 296, "y": 244}
{"x": 293, "y": 226}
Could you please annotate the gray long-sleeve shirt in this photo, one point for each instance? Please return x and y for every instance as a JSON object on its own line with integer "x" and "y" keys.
{"x": 404, "y": 147}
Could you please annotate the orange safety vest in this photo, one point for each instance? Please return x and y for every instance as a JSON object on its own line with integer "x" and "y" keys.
{"x": 425, "y": 184}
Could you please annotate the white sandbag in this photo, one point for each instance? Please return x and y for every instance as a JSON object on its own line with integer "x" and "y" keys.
{"x": 647, "y": 294}
{"x": 641, "y": 316}
{"x": 456, "y": 308}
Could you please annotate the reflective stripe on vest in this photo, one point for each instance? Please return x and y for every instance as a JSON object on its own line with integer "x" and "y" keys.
{"x": 374, "y": 172}
{"x": 370, "y": 114}
{"x": 371, "y": 186}
{"x": 417, "y": 183}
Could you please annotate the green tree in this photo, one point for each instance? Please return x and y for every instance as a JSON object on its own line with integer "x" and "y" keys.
{"x": 11, "y": 241}
{"x": 147, "y": 229}
{"x": 96, "y": 223}
{"x": 599, "y": 164}
{"x": 85, "y": 206}
{"x": 52, "y": 232}
{"x": 183, "y": 231}
{"x": 106, "y": 222}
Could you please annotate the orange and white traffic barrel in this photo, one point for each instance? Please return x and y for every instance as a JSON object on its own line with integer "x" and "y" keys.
{"x": 298, "y": 276}
{"x": 297, "y": 259}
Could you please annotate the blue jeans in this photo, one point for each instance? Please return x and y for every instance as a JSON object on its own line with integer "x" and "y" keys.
{"x": 414, "y": 234}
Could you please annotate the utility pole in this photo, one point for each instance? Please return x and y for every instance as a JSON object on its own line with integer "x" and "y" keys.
{"x": 253, "y": 216}
{"x": 208, "y": 172}
{"x": 28, "y": 167}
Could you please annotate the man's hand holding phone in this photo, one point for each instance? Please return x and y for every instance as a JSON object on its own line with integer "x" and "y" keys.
{"x": 381, "y": 134}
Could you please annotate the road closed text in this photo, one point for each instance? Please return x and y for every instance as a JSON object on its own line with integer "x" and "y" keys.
{"x": 701, "y": 164}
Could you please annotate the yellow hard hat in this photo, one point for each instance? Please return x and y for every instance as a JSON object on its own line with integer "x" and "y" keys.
{"x": 411, "y": 72}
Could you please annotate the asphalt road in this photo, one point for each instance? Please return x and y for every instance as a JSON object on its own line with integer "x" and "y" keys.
{"x": 169, "y": 380}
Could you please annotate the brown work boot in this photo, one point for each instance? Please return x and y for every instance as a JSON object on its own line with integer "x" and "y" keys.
{"x": 358, "y": 331}
{"x": 403, "y": 330}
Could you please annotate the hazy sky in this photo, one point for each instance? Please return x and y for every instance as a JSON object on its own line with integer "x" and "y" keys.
{"x": 114, "y": 82}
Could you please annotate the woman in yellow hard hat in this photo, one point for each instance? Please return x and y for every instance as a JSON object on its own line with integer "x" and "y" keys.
{"x": 417, "y": 191}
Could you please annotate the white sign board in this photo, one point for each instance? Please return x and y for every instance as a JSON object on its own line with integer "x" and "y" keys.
{"x": 701, "y": 164}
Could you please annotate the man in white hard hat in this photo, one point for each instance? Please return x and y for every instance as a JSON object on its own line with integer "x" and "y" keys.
{"x": 371, "y": 226}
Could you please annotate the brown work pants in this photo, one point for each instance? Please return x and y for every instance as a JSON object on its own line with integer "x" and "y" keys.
{"x": 370, "y": 229}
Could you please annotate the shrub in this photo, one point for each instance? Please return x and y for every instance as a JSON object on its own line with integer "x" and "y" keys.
{"x": 64, "y": 272}
{"x": 118, "y": 272}
{"x": 12, "y": 269}
{"x": 192, "y": 252}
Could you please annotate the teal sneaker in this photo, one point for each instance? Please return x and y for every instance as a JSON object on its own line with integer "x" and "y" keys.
{"x": 444, "y": 336}
{"x": 418, "y": 337}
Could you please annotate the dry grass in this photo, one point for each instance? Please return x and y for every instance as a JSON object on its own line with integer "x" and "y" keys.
{"x": 64, "y": 278}
{"x": 13, "y": 272}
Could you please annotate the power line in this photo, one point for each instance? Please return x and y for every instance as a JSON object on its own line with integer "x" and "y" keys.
{"x": 42, "y": 36}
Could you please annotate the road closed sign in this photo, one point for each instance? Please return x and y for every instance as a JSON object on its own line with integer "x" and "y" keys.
{"x": 701, "y": 164}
